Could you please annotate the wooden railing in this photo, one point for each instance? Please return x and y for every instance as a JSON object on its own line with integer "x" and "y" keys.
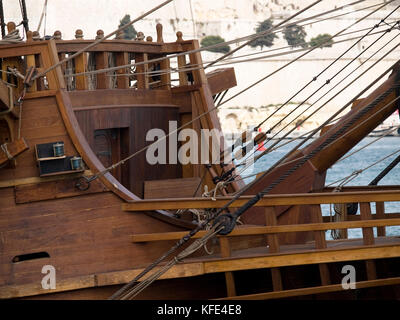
{"x": 119, "y": 52}
{"x": 109, "y": 53}
{"x": 315, "y": 253}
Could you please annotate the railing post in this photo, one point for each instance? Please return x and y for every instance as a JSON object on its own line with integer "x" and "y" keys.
{"x": 199, "y": 76}
{"x": 31, "y": 61}
{"x": 380, "y": 214}
{"x": 368, "y": 238}
{"x": 183, "y": 80}
{"x": 229, "y": 278}
{"x": 273, "y": 242}
{"x": 80, "y": 65}
{"x": 122, "y": 58}
{"x": 165, "y": 63}
{"x": 142, "y": 70}
{"x": 344, "y": 232}
{"x": 320, "y": 243}
{"x": 101, "y": 60}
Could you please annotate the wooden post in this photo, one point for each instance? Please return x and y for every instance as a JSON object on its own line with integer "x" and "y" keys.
{"x": 140, "y": 36}
{"x": 61, "y": 56}
{"x": 80, "y": 65}
{"x": 101, "y": 59}
{"x": 368, "y": 238}
{"x": 164, "y": 64}
{"x": 31, "y": 61}
{"x": 344, "y": 232}
{"x": 229, "y": 278}
{"x": 320, "y": 243}
{"x": 122, "y": 58}
{"x": 165, "y": 74}
{"x": 183, "y": 80}
{"x": 142, "y": 78}
{"x": 159, "y": 29}
{"x": 273, "y": 242}
{"x": 15, "y": 62}
{"x": 380, "y": 214}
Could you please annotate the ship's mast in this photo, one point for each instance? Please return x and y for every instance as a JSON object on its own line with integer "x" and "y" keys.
{"x": 2, "y": 22}
{"x": 24, "y": 15}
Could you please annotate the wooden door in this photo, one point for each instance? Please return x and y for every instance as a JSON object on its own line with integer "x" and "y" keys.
{"x": 107, "y": 147}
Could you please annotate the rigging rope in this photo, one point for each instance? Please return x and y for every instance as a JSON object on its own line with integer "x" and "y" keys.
{"x": 368, "y": 144}
{"x": 314, "y": 79}
{"x": 194, "y": 66}
{"x": 129, "y": 290}
{"x": 339, "y": 111}
{"x": 106, "y": 170}
{"x": 41, "y": 74}
{"x": 252, "y": 36}
{"x": 318, "y": 109}
{"x": 356, "y": 173}
{"x": 229, "y": 220}
{"x": 44, "y": 13}
{"x": 223, "y": 224}
{"x": 269, "y": 31}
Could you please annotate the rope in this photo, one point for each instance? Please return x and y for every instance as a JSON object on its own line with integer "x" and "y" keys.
{"x": 370, "y": 143}
{"x": 313, "y": 48}
{"x": 261, "y": 34}
{"x": 127, "y": 293}
{"x": 337, "y": 233}
{"x": 132, "y": 288}
{"x": 212, "y": 109}
{"x": 252, "y": 37}
{"x": 310, "y": 23}
{"x": 41, "y": 17}
{"x": 11, "y": 38}
{"x": 131, "y": 292}
{"x": 20, "y": 101}
{"x": 232, "y": 217}
{"x": 356, "y": 173}
{"x": 318, "y": 109}
{"x": 194, "y": 66}
{"x": 339, "y": 111}
{"x": 315, "y": 78}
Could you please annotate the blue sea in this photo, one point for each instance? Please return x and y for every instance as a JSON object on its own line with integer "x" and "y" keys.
{"x": 360, "y": 160}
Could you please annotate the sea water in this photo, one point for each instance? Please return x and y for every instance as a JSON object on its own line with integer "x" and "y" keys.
{"x": 360, "y": 160}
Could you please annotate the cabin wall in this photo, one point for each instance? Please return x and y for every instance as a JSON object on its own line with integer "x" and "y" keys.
{"x": 41, "y": 123}
{"x": 133, "y": 125}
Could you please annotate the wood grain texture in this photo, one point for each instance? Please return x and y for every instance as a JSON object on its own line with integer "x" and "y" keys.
{"x": 171, "y": 188}
{"x": 268, "y": 200}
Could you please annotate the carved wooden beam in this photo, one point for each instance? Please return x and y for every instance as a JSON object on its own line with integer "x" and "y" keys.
{"x": 10, "y": 150}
